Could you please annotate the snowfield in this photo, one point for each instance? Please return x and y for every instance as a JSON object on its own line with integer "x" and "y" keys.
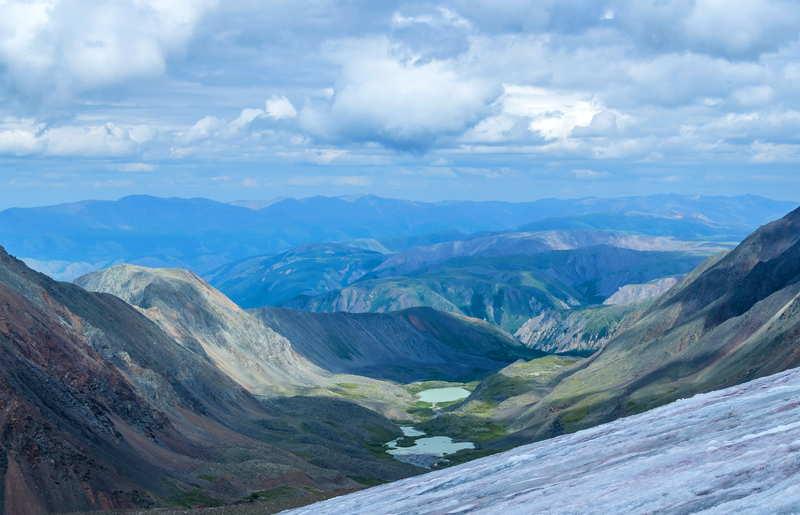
{"x": 731, "y": 451}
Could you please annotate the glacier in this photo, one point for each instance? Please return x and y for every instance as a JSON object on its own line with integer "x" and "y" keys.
{"x": 731, "y": 451}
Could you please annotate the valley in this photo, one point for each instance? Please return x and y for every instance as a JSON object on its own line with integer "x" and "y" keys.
{"x": 352, "y": 364}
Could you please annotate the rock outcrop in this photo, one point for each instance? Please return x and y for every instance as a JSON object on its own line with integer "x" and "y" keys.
{"x": 206, "y": 322}
{"x": 633, "y": 292}
{"x": 578, "y": 331}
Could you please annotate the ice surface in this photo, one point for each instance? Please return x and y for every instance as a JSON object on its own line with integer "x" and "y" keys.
{"x": 731, "y": 451}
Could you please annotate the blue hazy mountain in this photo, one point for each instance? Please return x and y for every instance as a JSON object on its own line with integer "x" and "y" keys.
{"x": 202, "y": 235}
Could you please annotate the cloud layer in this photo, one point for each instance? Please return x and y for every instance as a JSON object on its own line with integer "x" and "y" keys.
{"x": 638, "y": 90}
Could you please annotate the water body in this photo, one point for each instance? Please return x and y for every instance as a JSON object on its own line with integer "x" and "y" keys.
{"x": 426, "y": 452}
{"x": 449, "y": 394}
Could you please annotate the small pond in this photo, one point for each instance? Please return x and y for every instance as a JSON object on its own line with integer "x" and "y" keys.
{"x": 449, "y": 394}
{"x": 426, "y": 452}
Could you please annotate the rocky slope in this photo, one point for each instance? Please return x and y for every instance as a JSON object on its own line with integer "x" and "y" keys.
{"x": 206, "y": 322}
{"x": 102, "y": 409}
{"x": 409, "y": 345}
{"x": 731, "y": 451}
{"x": 634, "y": 292}
{"x": 735, "y": 318}
{"x": 579, "y": 331}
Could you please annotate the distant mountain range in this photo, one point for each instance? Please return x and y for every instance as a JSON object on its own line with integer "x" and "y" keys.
{"x": 504, "y": 278}
{"x": 200, "y": 235}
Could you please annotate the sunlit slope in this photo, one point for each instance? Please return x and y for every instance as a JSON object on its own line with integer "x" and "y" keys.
{"x": 205, "y": 321}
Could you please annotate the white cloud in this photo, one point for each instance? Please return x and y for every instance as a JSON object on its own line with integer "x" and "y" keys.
{"x": 205, "y": 128}
{"x": 384, "y": 96}
{"x": 18, "y": 142}
{"x": 279, "y": 108}
{"x": 137, "y": 167}
{"x": 552, "y": 114}
{"x": 315, "y": 155}
{"x": 589, "y": 174}
{"x": 245, "y": 118}
{"x": 107, "y": 140}
{"x": 70, "y": 44}
{"x": 443, "y": 16}
{"x": 603, "y": 124}
{"x": 769, "y": 152}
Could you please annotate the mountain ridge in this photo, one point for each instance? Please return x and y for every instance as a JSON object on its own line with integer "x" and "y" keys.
{"x": 201, "y": 234}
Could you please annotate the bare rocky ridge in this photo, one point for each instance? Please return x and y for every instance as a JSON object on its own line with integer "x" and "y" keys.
{"x": 634, "y": 292}
{"x": 205, "y": 321}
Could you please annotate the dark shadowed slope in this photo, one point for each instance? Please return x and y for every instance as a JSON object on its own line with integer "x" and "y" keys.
{"x": 102, "y": 409}
{"x": 735, "y": 318}
{"x": 408, "y": 345}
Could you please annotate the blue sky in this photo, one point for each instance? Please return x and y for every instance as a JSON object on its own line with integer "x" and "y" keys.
{"x": 514, "y": 100}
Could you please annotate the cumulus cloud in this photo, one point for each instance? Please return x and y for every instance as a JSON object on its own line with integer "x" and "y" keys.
{"x": 386, "y": 97}
{"x": 279, "y": 108}
{"x": 603, "y": 124}
{"x": 18, "y": 142}
{"x": 482, "y": 83}
{"x": 75, "y": 44}
{"x": 107, "y": 140}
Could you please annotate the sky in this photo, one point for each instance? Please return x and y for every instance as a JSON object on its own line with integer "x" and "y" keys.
{"x": 465, "y": 99}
